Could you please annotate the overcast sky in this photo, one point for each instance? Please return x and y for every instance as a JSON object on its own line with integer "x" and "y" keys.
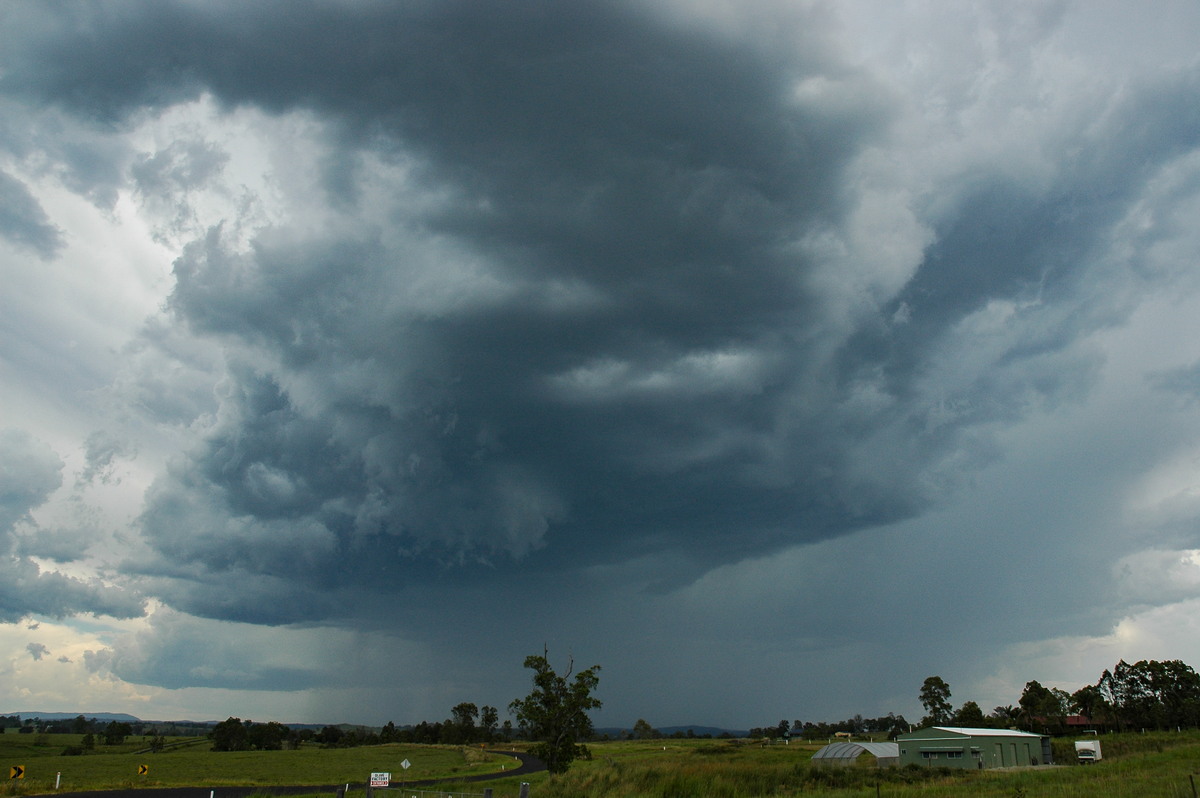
{"x": 772, "y": 355}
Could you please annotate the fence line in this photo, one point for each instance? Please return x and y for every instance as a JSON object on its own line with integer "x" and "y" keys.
{"x": 415, "y": 792}
{"x": 412, "y": 792}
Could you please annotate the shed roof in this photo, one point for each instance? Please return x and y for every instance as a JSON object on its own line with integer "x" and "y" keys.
{"x": 986, "y": 732}
{"x": 964, "y": 731}
{"x": 846, "y": 750}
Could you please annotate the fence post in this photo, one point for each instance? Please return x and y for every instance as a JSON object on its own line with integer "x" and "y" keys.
{"x": 370, "y": 791}
{"x": 524, "y": 789}
{"x": 341, "y": 792}
{"x": 487, "y": 792}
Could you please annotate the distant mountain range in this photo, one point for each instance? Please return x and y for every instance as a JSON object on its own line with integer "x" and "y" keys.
{"x": 120, "y": 717}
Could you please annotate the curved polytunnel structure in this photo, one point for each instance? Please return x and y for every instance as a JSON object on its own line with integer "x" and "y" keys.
{"x": 846, "y": 753}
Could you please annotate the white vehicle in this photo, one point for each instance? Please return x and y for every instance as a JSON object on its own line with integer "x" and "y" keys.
{"x": 1088, "y": 751}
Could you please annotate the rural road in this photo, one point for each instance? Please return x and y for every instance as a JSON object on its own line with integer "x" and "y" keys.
{"x": 529, "y": 764}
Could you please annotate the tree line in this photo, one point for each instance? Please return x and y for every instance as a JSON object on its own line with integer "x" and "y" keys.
{"x": 468, "y": 724}
{"x": 891, "y": 725}
{"x": 93, "y": 730}
{"x": 1145, "y": 695}
{"x": 110, "y": 732}
{"x": 553, "y": 717}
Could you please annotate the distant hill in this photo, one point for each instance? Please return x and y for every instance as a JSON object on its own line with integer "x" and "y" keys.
{"x": 669, "y": 731}
{"x": 700, "y": 731}
{"x": 120, "y": 717}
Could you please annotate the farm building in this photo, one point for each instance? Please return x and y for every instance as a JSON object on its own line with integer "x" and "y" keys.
{"x": 845, "y": 753}
{"x": 973, "y": 748}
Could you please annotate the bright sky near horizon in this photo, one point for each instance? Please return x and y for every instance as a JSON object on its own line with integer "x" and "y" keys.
{"x": 773, "y": 355}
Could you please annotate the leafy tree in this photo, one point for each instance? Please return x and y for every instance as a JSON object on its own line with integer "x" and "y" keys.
{"x": 935, "y": 697}
{"x": 267, "y": 736}
{"x": 489, "y": 719}
{"x": 461, "y": 728}
{"x": 427, "y": 733}
{"x": 1088, "y": 701}
{"x": 329, "y": 736}
{"x": 969, "y": 714}
{"x": 642, "y": 730}
{"x": 1006, "y": 716}
{"x": 893, "y": 724}
{"x": 1152, "y": 694}
{"x": 555, "y": 712}
{"x": 230, "y": 735}
{"x": 1043, "y": 705}
{"x": 115, "y": 733}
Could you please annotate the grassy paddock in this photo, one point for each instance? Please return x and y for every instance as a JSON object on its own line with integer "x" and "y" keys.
{"x": 200, "y": 766}
{"x": 1138, "y": 765}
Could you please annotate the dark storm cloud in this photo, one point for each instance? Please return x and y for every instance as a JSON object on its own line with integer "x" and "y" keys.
{"x": 587, "y": 329}
{"x": 658, "y": 178}
{"x": 24, "y": 222}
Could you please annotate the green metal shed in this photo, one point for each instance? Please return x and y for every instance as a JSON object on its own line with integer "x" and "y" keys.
{"x": 958, "y": 747}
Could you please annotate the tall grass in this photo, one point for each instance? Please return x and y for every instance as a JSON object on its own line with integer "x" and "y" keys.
{"x": 1134, "y": 765}
{"x": 1142, "y": 766}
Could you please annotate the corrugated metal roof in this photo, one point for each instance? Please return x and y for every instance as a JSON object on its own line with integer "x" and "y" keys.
{"x": 986, "y": 732}
{"x": 845, "y": 750}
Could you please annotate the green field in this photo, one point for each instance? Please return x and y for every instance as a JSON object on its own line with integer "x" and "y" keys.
{"x": 111, "y": 767}
{"x": 1139, "y": 765}
{"x": 1142, "y": 765}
